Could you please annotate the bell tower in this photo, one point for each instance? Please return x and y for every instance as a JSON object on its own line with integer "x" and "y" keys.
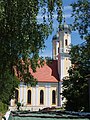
{"x": 64, "y": 48}
{"x": 61, "y": 47}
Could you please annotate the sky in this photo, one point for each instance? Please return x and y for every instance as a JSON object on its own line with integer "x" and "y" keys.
{"x": 75, "y": 38}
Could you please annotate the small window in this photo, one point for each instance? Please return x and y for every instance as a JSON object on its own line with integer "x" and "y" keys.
{"x": 41, "y": 97}
{"x": 53, "y": 97}
{"x": 66, "y": 43}
{"x": 29, "y": 97}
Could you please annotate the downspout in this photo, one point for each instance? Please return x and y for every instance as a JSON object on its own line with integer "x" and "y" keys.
{"x": 59, "y": 83}
{"x": 59, "y": 100}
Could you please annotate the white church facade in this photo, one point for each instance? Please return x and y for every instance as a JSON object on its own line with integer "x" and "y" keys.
{"x": 50, "y": 77}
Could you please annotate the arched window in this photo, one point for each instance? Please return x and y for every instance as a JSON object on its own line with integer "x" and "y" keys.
{"x": 41, "y": 97}
{"x": 16, "y": 95}
{"x": 53, "y": 97}
{"x": 29, "y": 97}
{"x": 66, "y": 42}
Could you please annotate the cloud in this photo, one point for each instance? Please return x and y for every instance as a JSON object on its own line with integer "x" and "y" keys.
{"x": 46, "y": 53}
{"x": 67, "y": 11}
{"x": 40, "y": 17}
{"x": 67, "y": 8}
{"x": 67, "y": 15}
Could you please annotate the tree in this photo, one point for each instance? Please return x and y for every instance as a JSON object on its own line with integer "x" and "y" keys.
{"x": 81, "y": 15}
{"x": 21, "y": 38}
{"x": 76, "y": 85}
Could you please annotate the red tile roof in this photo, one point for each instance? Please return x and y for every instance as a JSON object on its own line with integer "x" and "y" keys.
{"x": 47, "y": 73}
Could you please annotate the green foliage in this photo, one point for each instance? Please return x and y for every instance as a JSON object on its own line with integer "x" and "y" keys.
{"x": 3, "y": 107}
{"x": 76, "y": 89}
{"x": 76, "y": 85}
{"x": 81, "y": 15}
{"x": 22, "y": 36}
{"x": 7, "y": 86}
{"x": 18, "y": 105}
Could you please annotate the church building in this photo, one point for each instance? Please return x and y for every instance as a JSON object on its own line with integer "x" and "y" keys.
{"x": 47, "y": 92}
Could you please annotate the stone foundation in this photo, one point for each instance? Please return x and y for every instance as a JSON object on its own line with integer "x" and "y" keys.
{"x": 31, "y": 108}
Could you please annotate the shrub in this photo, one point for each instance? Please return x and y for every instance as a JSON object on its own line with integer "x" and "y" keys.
{"x": 18, "y": 105}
